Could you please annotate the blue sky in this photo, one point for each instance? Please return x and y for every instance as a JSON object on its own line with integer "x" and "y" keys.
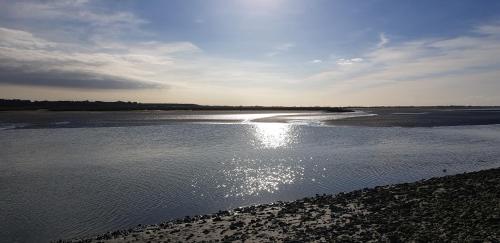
{"x": 344, "y": 26}
{"x": 253, "y": 52}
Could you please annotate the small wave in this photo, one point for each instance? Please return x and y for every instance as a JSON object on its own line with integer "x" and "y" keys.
{"x": 313, "y": 123}
{"x": 61, "y": 123}
{"x": 410, "y": 113}
{"x": 9, "y": 126}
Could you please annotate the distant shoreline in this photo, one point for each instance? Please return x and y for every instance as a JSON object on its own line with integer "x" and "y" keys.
{"x": 461, "y": 207}
{"x": 29, "y": 105}
{"x": 26, "y": 105}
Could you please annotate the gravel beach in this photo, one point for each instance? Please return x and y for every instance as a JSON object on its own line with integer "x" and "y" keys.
{"x": 459, "y": 208}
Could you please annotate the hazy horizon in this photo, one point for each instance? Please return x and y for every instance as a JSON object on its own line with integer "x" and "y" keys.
{"x": 252, "y": 52}
{"x": 250, "y": 105}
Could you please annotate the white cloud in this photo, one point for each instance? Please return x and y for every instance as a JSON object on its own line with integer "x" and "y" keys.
{"x": 316, "y": 61}
{"x": 343, "y": 61}
{"x": 284, "y": 46}
{"x": 155, "y": 47}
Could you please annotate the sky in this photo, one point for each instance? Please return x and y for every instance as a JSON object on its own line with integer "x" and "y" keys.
{"x": 253, "y": 52}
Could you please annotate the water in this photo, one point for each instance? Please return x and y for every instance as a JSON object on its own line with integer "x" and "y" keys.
{"x": 71, "y": 182}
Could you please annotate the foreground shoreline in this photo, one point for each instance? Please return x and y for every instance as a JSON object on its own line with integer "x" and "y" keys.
{"x": 464, "y": 207}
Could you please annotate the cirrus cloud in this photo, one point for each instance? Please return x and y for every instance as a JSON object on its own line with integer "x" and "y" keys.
{"x": 455, "y": 68}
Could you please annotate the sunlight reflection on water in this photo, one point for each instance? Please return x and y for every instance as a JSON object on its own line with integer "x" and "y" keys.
{"x": 241, "y": 177}
{"x": 253, "y": 176}
{"x": 274, "y": 135}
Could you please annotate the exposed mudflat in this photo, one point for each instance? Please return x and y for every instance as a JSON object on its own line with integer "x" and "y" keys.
{"x": 464, "y": 207}
{"x": 422, "y": 117}
{"x": 362, "y": 116}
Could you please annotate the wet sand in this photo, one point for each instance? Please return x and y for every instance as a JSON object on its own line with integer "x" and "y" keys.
{"x": 464, "y": 207}
{"x": 422, "y": 117}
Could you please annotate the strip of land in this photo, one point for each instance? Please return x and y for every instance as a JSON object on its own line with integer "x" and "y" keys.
{"x": 460, "y": 208}
{"x": 23, "y": 105}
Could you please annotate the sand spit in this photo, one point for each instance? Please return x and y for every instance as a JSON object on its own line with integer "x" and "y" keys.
{"x": 462, "y": 208}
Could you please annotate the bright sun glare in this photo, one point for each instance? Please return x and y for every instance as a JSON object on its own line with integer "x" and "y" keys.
{"x": 273, "y": 135}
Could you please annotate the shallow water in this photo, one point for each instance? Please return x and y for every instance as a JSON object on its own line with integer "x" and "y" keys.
{"x": 70, "y": 182}
{"x": 76, "y": 119}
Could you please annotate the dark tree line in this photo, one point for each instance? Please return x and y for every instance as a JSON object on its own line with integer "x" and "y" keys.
{"x": 17, "y": 104}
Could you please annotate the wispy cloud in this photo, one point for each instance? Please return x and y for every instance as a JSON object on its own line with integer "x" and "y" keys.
{"x": 489, "y": 29}
{"x": 316, "y": 61}
{"x": 73, "y": 19}
{"x": 431, "y": 64}
{"x": 281, "y": 48}
{"x": 199, "y": 20}
{"x": 69, "y": 10}
{"x": 383, "y": 40}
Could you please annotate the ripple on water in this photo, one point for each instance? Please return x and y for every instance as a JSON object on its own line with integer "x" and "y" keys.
{"x": 250, "y": 177}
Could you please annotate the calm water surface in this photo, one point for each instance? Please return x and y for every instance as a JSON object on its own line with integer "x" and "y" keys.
{"x": 70, "y": 182}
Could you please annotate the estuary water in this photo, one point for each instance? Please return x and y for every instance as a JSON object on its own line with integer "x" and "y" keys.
{"x": 66, "y": 175}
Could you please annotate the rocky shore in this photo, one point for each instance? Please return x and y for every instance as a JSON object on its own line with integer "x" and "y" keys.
{"x": 459, "y": 208}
